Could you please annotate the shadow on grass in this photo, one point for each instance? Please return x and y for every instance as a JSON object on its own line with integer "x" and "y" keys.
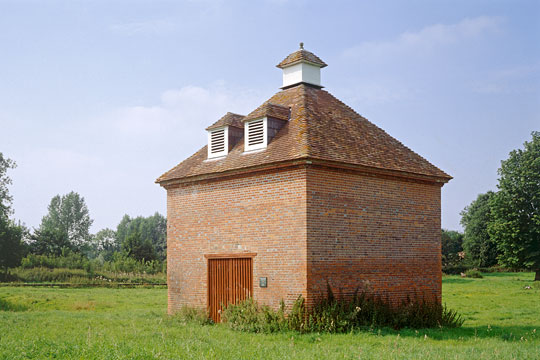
{"x": 456, "y": 281}
{"x": 6, "y": 305}
{"x": 507, "y": 333}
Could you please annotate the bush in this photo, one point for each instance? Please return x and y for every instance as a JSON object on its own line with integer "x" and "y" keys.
{"x": 43, "y": 274}
{"x": 249, "y": 316}
{"x": 82, "y": 276}
{"x": 473, "y": 273}
{"x": 69, "y": 260}
{"x": 455, "y": 270}
{"x": 188, "y": 314}
{"x": 339, "y": 316}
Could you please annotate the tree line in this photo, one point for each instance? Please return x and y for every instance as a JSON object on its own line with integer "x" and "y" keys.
{"x": 65, "y": 229}
{"x": 500, "y": 227}
{"x": 503, "y": 227}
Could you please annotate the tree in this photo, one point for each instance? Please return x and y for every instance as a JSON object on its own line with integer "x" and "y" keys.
{"x": 451, "y": 246}
{"x": 480, "y": 249}
{"x": 5, "y": 180}
{"x": 67, "y": 224}
{"x": 516, "y": 208}
{"x": 11, "y": 235}
{"x": 104, "y": 244}
{"x": 49, "y": 241}
{"x": 152, "y": 229}
{"x": 134, "y": 246}
{"x": 11, "y": 243}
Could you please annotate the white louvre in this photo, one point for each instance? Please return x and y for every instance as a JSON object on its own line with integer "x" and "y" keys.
{"x": 218, "y": 142}
{"x": 255, "y": 134}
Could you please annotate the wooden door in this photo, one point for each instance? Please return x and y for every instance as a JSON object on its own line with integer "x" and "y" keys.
{"x": 230, "y": 280}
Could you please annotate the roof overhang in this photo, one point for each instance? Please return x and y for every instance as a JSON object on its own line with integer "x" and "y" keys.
{"x": 358, "y": 169}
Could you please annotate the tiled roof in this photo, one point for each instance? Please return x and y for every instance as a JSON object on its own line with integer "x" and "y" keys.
{"x": 229, "y": 119}
{"x": 320, "y": 128}
{"x": 269, "y": 110}
{"x": 300, "y": 55}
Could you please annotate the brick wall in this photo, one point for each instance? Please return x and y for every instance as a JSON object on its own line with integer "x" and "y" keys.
{"x": 308, "y": 226}
{"x": 379, "y": 234}
{"x": 263, "y": 213}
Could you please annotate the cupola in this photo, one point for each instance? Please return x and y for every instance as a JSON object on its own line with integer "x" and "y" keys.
{"x": 301, "y": 67}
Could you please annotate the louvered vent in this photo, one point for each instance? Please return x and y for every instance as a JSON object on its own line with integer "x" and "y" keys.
{"x": 217, "y": 142}
{"x": 256, "y": 132}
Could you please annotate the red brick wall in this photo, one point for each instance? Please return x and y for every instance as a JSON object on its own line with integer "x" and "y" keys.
{"x": 308, "y": 226}
{"x": 382, "y": 234}
{"x": 264, "y": 213}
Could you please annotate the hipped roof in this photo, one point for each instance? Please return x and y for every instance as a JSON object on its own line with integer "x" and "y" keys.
{"x": 320, "y": 127}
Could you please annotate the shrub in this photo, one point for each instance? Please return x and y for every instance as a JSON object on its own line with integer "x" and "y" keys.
{"x": 340, "y": 315}
{"x": 473, "y": 273}
{"x": 43, "y": 274}
{"x": 249, "y": 316}
{"x": 454, "y": 270}
{"x": 68, "y": 260}
{"x": 188, "y": 314}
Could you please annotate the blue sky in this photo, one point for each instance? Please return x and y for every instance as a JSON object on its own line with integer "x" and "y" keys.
{"x": 102, "y": 97}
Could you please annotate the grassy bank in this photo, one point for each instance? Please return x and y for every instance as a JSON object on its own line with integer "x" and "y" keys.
{"x": 502, "y": 321}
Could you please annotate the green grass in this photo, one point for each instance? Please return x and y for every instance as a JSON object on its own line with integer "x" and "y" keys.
{"x": 502, "y": 321}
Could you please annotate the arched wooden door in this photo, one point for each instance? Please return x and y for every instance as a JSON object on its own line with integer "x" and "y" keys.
{"x": 230, "y": 280}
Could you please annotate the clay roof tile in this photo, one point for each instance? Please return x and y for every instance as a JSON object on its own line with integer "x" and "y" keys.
{"x": 229, "y": 119}
{"x": 320, "y": 127}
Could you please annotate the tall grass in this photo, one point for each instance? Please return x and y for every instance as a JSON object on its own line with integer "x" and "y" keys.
{"x": 334, "y": 315}
{"x": 77, "y": 269}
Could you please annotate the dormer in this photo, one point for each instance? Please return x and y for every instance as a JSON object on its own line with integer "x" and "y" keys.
{"x": 301, "y": 67}
{"x": 263, "y": 124}
{"x": 224, "y": 134}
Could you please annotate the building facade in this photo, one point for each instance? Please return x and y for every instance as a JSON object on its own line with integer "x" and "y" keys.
{"x": 300, "y": 194}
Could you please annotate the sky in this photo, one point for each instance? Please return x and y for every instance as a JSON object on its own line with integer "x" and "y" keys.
{"x": 103, "y": 97}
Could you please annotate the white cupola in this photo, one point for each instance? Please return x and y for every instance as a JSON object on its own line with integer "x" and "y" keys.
{"x": 301, "y": 67}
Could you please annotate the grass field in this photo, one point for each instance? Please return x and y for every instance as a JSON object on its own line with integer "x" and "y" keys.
{"x": 502, "y": 321}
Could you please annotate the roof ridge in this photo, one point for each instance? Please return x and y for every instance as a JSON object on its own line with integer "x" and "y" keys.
{"x": 229, "y": 119}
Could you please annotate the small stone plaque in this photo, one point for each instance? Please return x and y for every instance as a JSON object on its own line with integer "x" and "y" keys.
{"x": 263, "y": 282}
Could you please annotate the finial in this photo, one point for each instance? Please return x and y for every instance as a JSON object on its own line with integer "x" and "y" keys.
{"x": 301, "y": 46}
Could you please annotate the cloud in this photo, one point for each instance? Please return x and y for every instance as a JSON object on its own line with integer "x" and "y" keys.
{"x": 427, "y": 39}
{"x": 180, "y": 110}
{"x": 155, "y": 27}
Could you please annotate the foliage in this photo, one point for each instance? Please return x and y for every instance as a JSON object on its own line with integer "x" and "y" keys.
{"x": 82, "y": 276}
{"x": 68, "y": 260}
{"x": 516, "y": 208}
{"x": 5, "y": 197}
{"x": 103, "y": 323}
{"x": 250, "y": 316}
{"x": 11, "y": 243}
{"x": 451, "y": 247}
{"x": 152, "y": 229}
{"x": 71, "y": 260}
{"x": 334, "y": 315}
{"x": 137, "y": 248}
{"x": 103, "y": 244}
{"x": 473, "y": 273}
{"x": 67, "y": 225}
{"x": 50, "y": 241}
{"x": 11, "y": 235}
{"x": 190, "y": 315}
{"x": 480, "y": 249}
